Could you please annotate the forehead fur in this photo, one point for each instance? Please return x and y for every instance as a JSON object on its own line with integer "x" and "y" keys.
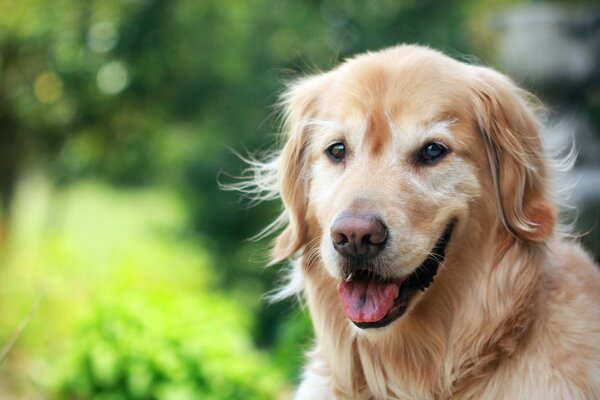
{"x": 400, "y": 83}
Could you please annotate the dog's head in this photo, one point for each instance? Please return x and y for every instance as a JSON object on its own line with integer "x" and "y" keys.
{"x": 392, "y": 157}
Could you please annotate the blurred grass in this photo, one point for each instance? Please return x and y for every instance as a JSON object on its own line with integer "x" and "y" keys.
{"x": 130, "y": 308}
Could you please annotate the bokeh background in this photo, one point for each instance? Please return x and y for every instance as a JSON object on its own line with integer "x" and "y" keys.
{"x": 125, "y": 272}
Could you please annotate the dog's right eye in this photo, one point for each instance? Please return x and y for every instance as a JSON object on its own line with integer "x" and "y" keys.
{"x": 432, "y": 153}
{"x": 337, "y": 151}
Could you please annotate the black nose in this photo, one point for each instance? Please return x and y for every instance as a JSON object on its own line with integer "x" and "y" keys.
{"x": 358, "y": 234}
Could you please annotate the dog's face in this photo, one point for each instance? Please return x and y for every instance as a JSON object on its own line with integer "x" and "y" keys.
{"x": 389, "y": 158}
{"x": 389, "y": 180}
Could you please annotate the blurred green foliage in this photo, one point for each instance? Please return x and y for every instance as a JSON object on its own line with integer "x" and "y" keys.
{"x": 160, "y": 346}
{"x": 293, "y": 341}
{"x": 130, "y": 309}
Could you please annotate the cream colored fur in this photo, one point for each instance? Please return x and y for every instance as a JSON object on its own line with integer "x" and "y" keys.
{"x": 514, "y": 311}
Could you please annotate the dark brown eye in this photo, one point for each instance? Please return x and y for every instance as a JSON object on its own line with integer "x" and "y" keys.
{"x": 432, "y": 153}
{"x": 337, "y": 151}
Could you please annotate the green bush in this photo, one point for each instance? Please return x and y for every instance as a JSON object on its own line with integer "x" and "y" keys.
{"x": 188, "y": 346}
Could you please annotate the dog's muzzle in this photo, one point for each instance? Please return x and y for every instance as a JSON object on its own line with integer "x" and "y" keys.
{"x": 371, "y": 300}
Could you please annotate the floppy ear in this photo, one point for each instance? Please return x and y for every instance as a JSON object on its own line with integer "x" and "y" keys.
{"x": 514, "y": 149}
{"x": 300, "y": 104}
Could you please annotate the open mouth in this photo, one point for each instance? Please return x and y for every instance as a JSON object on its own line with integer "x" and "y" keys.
{"x": 370, "y": 301}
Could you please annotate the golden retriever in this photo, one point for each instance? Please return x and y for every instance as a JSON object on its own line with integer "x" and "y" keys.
{"x": 420, "y": 210}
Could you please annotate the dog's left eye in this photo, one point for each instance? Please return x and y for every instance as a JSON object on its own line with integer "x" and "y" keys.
{"x": 337, "y": 151}
{"x": 432, "y": 153}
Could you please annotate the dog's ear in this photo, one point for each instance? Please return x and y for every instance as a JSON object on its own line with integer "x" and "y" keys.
{"x": 514, "y": 149}
{"x": 300, "y": 104}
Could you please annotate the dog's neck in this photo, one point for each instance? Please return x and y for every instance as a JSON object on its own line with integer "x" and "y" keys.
{"x": 448, "y": 343}
{"x": 496, "y": 312}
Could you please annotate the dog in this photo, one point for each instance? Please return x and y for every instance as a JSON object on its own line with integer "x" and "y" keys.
{"x": 422, "y": 215}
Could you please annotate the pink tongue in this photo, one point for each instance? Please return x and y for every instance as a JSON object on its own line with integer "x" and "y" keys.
{"x": 367, "y": 301}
